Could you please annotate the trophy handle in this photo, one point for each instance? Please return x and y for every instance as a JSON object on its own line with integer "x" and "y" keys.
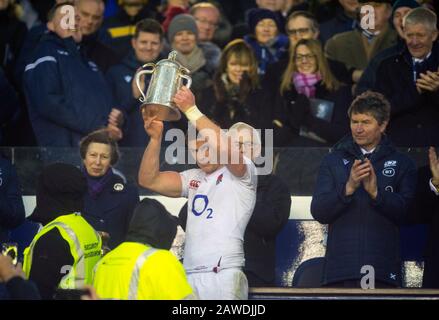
{"x": 188, "y": 79}
{"x": 150, "y": 71}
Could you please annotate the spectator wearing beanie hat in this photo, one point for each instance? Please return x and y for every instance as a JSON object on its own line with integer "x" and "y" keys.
{"x": 183, "y": 37}
{"x": 399, "y": 10}
{"x": 269, "y": 45}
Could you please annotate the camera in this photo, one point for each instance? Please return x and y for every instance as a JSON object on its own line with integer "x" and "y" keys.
{"x": 10, "y": 249}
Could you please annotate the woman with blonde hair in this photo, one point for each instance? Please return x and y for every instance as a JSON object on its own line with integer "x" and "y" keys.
{"x": 235, "y": 94}
{"x": 312, "y": 104}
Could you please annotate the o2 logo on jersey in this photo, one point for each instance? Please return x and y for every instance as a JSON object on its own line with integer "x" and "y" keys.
{"x": 200, "y": 205}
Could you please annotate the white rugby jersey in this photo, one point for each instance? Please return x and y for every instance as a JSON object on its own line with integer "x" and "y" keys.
{"x": 219, "y": 208}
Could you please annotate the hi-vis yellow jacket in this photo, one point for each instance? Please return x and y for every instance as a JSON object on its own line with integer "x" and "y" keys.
{"x": 135, "y": 271}
{"x": 85, "y": 247}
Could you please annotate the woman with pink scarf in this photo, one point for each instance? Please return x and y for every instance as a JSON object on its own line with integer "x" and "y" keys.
{"x": 311, "y": 107}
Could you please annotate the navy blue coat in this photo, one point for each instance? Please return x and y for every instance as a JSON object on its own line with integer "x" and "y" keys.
{"x": 67, "y": 95}
{"x": 340, "y": 23}
{"x": 414, "y": 117}
{"x": 362, "y": 231}
{"x": 368, "y": 78}
{"x": 270, "y": 215}
{"x": 112, "y": 210}
{"x": 11, "y": 203}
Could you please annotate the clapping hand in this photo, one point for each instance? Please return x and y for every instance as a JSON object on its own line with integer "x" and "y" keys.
{"x": 370, "y": 181}
{"x": 428, "y": 82}
{"x": 434, "y": 165}
{"x": 362, "y": 172}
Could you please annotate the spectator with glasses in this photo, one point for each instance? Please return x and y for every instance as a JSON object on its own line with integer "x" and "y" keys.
{"x": 301, "y": 25}
{"x": 310, "y": 109}
{"x": 207, "y": 18}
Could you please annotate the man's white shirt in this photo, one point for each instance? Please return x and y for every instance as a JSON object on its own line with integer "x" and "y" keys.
{"x": 219, "y": 208}
{"x": 433, "y": 188}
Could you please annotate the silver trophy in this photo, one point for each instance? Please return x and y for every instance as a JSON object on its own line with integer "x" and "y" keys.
{"x": 166, "y": 79}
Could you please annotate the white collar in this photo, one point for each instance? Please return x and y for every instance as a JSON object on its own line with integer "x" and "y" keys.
{"x": 364, "y": 151}
{"x": 416, "y": 60}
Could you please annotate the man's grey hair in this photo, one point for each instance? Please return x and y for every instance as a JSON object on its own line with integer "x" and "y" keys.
{"x": 204, "y": 5}
{"x": 307, "y": 15}
{"x": 421, "y": 15}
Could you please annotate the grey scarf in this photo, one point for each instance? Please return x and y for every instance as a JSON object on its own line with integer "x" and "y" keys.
{"x": 193, "y": 61}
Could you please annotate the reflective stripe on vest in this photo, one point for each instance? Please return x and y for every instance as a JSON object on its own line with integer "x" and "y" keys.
{"x": 135, "y": 276}
{"x": 85, "y": 248}
{"x": 79, "y": 269}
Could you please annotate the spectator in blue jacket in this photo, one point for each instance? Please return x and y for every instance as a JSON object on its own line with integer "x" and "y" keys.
{"x": 67, "y": 95}
{"x": 266, "y": 39}
{"x": 110, "y": 200}
{"x": 147, "y": 44}
{"x": 344, "y": 20}
{"x": 118, "y": 30}
{"x": 363, "y": 191}
{"x": 11, "y": 204}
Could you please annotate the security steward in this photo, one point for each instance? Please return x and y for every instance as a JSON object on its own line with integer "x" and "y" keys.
{"x": 143, "y": 268}
{"x": 64, "y": 252}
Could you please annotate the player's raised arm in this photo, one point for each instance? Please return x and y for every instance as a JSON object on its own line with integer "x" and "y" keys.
{"x": 167, "y": 183}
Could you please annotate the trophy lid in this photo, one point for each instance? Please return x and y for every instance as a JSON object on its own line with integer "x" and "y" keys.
{"x": 172, "y": 55}
{"x": 171, "y": 60}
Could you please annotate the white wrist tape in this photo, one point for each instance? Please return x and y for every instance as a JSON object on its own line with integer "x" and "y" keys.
{"x": 193, "y": 114}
